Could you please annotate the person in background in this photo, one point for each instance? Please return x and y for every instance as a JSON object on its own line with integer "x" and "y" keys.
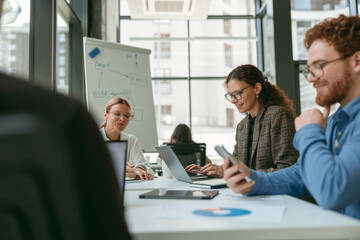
{"x": 264, "y": 137}
{"x": 117, "y": 116}
{"x": 182, "y": 134}
{"x": 329, "y": 164}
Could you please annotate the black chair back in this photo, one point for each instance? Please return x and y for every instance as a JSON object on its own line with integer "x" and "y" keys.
{"x": 42, "y": 190}
{"x": 189, "y": 153}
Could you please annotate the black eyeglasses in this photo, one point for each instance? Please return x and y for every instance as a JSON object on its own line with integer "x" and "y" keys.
{"x": 127, "y": 116}
{"x": 316, "y": 69}
{"x": 236, "y": 94}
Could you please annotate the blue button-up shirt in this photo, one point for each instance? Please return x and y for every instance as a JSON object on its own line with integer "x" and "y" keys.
{"x": 328, "y": 167}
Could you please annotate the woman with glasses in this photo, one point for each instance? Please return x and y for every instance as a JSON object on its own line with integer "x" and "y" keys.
{"x": 264, "y": 137}
{"x": 117, "y": 116}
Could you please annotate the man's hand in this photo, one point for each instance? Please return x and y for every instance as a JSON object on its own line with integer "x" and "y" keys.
{"x": 312, "y": 116}
{"x": 236, "y": 180}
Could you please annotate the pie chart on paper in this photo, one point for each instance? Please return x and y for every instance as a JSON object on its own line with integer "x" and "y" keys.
{"x": 221, "y": 212}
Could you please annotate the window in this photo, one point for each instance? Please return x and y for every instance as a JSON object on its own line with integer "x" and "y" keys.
{"x": 61, "y": 60}
{"x": 227, "y": 26}
{"x": 229, "y": 117}
{"x": 164, "y": 86}
{"x": 227, "y": 1}
{"x": 166, "y": 111}
{"x": 14, "y": 57}
{"x": 162, "y": 72}
{"x": 304, "y": 15}
{"x": 61, "y": 36}
{"x": 228, "y": 55}
{"x": 302, "y": 5}
{"x": 62, "y": 72}
{"x": 62, "y": 56}
{"x": 62, "y": 48}
{"x": 313, "y": 11}
{"x": 199, "y": 53}
{"x": 162, "y": 48}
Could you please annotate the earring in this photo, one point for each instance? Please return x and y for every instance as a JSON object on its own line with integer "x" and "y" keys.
{"x": 257, "y": 95}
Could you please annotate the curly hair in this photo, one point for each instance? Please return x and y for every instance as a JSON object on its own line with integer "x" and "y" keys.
{"x": 270, "y": 93}
{"x": 343, "y": 33}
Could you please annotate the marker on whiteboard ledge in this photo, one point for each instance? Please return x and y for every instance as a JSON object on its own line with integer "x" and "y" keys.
{"x": 94, "y": 52}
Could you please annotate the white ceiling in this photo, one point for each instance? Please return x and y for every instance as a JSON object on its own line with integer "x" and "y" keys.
{"x": 169, "y": 9}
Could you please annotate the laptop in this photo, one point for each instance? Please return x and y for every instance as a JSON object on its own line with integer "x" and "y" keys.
{"x": 175, "y": 166}
{"x": 117, "y": 150}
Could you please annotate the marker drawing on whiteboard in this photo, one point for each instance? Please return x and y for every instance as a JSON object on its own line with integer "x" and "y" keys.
{"x": 101, "y": 73}
{"x": 94, "y": 52}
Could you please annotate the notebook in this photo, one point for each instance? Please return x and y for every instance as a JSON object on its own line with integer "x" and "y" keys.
{"x": 171, "y": 160}
{"x": 117, "y": 150}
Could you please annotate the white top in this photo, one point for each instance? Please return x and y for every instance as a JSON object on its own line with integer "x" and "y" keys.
{"x": 134, "y": 153}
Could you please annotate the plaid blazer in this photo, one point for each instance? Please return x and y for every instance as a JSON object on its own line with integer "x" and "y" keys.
{"x": 272, "y": 147}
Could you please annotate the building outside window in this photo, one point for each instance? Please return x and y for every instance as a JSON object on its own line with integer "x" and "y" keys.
{"x": 229, "y": 117}
{"x": 166, "y": 113}
{"x": 227, "y": 2}
{"x": 227, "y": 26}
{"x": 62, "y": 56}
{"x": 228, "y": 55}
{"x": 195, "y": 68}
{"x": 162, "y": 48}
{"x": 14, "y": 43}
{"x": 164, "y": 86}
{"x": 304, "y": 15}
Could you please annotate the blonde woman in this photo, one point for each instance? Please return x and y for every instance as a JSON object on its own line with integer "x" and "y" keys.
{"x": 117, "y": 116}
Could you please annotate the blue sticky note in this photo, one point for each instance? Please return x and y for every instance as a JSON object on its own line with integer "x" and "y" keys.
{"x": 94, "y": 52}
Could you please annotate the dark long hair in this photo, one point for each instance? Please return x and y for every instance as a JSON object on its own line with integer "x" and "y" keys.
{"x": 181, "y": 134}
{"x": 270, "y": 94}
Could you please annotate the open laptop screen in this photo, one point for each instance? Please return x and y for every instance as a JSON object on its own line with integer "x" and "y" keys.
{"x": 117, "y": 150}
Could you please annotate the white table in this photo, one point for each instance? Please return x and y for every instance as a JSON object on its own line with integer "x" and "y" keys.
{"x": 301, "y": 220}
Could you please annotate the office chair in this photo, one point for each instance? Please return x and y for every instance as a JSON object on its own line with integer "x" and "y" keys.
{"x": 45, "y": 191}
{"x": 189, "y": 153}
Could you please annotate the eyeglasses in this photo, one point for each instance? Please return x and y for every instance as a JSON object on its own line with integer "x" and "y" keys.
{"x": 236, "y": 94}
{"x": 126, "y": 116}
{"x": 316, "y": 69}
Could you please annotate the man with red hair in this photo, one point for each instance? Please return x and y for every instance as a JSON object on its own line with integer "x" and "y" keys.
{"x": 329, "y": 164}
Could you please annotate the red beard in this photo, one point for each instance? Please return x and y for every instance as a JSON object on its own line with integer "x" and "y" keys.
{"x": 336, "y": 90}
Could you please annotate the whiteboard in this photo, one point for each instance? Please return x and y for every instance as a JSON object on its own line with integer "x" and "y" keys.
{"x": 116, "y": 70}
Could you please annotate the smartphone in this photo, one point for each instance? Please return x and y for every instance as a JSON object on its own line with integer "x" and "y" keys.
{"x": 179, "y": 194}
{"x": 225, "y": 154}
